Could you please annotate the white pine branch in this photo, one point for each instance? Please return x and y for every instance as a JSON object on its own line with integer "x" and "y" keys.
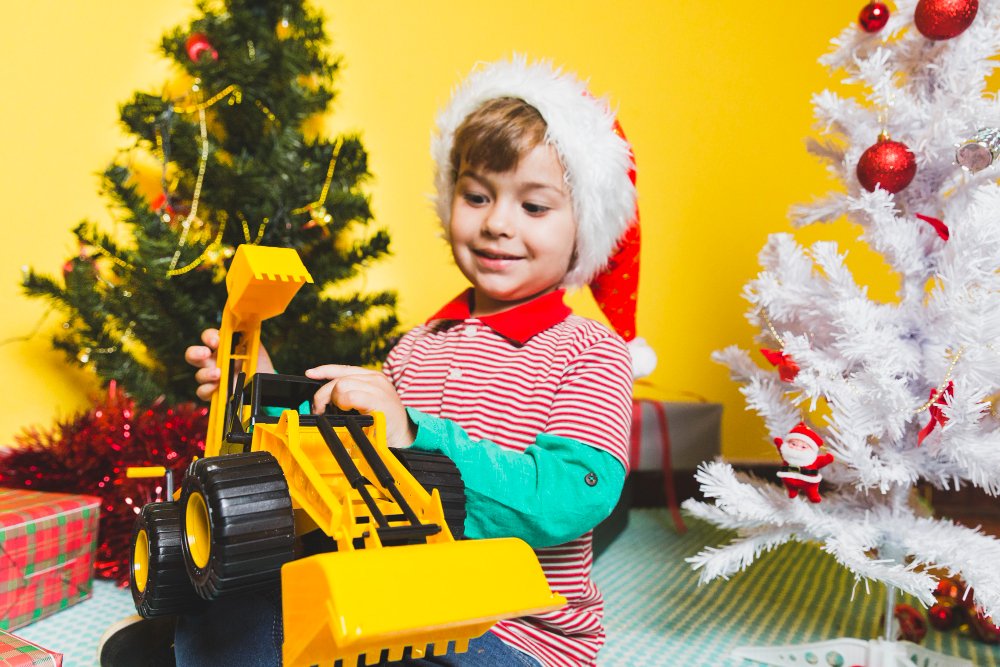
{"x": 826, "y": 209}
{"x": 955, "y": 549}
{"x": 716, "y": 562}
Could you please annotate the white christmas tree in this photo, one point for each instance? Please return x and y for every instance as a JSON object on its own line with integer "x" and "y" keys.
{"x": 909, "y": 388}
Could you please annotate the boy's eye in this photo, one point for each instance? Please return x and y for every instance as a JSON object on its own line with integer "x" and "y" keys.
{"x": 534, "y": 209}
{"x": 474, "y": 198}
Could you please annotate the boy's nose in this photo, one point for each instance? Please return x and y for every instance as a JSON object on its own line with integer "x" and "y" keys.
{"x": 497, "y": 222}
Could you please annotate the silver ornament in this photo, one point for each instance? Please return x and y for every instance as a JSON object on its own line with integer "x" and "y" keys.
{"x": 979, "y": 152}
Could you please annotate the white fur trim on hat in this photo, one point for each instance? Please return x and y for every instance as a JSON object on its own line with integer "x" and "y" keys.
{"x": 596, "y": 159}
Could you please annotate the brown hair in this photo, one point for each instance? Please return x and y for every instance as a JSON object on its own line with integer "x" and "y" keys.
{"x": 496, "y": 135}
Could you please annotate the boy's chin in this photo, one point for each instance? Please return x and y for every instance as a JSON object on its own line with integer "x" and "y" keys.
{"x": 498, "y": 289}
{"x": 510, "y": 296}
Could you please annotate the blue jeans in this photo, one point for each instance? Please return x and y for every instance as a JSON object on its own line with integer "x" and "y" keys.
{"x": 245, "y": 631}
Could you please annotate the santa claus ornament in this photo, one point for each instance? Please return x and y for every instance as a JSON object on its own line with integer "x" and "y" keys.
{"x": 801, "y": 460}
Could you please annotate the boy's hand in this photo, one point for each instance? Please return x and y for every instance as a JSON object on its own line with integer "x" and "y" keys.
{"x": 353, "y": 388}
{"x": 203, "y": 357}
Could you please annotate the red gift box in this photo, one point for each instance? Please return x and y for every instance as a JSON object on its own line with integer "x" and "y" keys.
{"x": 16, "y": 652}
{"x": 47, "y": 544}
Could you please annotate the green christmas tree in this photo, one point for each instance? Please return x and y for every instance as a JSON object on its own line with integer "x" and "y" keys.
{"x": 236, "y": 166}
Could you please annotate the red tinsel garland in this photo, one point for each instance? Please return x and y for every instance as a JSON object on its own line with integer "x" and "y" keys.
{"x": 89, "y": 453}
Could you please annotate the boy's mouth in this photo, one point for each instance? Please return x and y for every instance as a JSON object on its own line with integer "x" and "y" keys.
{"x": 491, "y": 260}
{"x": 494, "y": 254}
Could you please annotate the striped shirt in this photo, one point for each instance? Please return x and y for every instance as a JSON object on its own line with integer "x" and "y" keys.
{"x": 506, "y": 378}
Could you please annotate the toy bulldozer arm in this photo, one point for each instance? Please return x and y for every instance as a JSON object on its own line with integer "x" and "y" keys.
{"x": 261, "y": 282}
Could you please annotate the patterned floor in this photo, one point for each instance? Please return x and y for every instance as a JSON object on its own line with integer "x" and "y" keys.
{"x": 657, "y": 615}
{"x": 76, "y": 631}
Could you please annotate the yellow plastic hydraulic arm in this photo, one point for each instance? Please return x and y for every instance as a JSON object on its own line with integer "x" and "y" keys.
{"x": 320, "y": 489}
{"x": 261, "y": 282}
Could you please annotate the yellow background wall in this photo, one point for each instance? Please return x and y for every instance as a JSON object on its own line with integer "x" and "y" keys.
{"x": 714, "y": 97}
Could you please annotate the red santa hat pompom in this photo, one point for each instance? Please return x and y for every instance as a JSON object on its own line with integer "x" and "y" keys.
{"x": 600, "y": 172}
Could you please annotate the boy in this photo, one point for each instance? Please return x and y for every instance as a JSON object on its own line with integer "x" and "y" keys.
{"x": 531, "y": 402}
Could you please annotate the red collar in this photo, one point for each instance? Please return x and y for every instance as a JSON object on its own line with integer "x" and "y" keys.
{"x": 519, "y": 323}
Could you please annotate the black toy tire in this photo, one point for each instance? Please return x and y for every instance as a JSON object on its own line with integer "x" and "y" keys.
{"x": 237, "y": 512}
{"x": 167, "y": 589}
{"x": 437, "y": 471}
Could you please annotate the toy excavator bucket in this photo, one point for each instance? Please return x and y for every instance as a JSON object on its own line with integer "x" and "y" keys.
{"x": 345, "y": 605}
{"x": 262, "y": 280}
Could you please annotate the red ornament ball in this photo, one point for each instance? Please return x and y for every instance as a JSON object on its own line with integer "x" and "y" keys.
{"x": 944, "y": 19}
{"x": 198, "y": 46}
{"x": 942, "y": 616}
{"x": 873, "y": 17}
{"x": 888, "y": 164}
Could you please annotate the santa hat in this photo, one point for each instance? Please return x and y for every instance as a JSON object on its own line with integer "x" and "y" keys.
{"x": 600, "y": 172}
{"x": 806, "y": 435}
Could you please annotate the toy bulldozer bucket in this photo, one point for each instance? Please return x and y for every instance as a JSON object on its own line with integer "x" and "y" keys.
{"x": 349, "y": 604}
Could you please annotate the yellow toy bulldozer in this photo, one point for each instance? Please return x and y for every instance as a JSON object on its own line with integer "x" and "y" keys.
{"x": 400, "y": 579}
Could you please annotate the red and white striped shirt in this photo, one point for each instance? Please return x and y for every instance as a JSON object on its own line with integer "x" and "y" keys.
{"x": 506, "y": 378}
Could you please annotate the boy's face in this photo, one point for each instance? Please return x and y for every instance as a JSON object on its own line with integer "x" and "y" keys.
{"x": 513, "y": 233}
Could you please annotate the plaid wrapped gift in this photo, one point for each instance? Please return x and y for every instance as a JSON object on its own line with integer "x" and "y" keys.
{"x": 47, "y": 544}
{"x": 15, "y": 652}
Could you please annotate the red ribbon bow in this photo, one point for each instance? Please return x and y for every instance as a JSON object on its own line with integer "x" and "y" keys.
{"x": 939, "y": 226}
{"x": 937, "y": 414}
{"x": 787, "y": 368}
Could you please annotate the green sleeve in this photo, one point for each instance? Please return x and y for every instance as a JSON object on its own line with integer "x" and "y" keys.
{"x": 553, "y": 492}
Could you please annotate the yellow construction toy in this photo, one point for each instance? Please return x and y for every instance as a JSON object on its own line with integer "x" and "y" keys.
{"x": 400, "y": 578}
